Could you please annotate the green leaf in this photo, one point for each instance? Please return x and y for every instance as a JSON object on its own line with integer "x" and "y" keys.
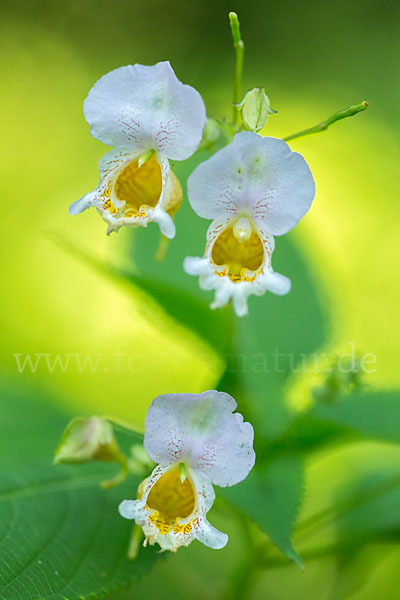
{"x": 162, "y": 301}
{"x": 373, "y": 414}
{"x": 274, "y": 341}
{"x": 187, "y": 302}
{"x": 188, "y": 311}
{"x": 271, "y": 496}
{"x": 165, "y": 290}
{"x": 61, "y": 536}
{"x": 369, "y": 507}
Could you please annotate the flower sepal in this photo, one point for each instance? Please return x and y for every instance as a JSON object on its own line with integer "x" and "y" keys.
{"x": 92, "y": 439}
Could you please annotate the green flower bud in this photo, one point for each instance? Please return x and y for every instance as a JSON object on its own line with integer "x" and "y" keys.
{"x": 255, "y": 108}
{"x": 140, "y": 462}
{"x": 87, "y": 439}
{"x": 211, "y": 134}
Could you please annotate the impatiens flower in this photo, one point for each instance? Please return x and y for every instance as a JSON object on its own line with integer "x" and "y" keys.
{"x": 196, "y": 441}
{"x": 148, "y": 116}
{"x": 253, "y": 189}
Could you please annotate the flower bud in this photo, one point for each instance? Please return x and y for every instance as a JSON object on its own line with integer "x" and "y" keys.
{"x": 140, "y": 462}
{"x": 87, "y": 439}
{"x": 211, "y": 134}
{"x": 255, "y": 108}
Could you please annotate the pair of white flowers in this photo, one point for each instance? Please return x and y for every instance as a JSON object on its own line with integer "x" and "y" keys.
{"x": 252, "y": 189}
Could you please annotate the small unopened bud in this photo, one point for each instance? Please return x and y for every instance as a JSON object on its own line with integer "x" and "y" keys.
{"x": 211, "y": 134}
{"x": 87, "y": 439}
{"x": 140, "y": 462}
{"x": 255, "y": 108}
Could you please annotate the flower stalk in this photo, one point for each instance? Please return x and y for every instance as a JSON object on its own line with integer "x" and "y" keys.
{"x": 121, "y": 476}
{"x": 122, "y": 424}
{"x": 135, "y": 542}
{"x": 323, "y": 125}
{"x": 239, "y": 55}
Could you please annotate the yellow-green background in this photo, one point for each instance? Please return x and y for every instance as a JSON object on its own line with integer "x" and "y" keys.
{"x": 313, "y": 58}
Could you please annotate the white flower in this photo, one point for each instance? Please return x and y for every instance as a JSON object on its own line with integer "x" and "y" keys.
{"x": 196, "y": 441}
{"x": 144, "y": 113}
{"x": 253, "y": 189}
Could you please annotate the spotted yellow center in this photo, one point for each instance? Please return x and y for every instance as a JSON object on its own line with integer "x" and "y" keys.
{"x": 240, "y": 251}
{"x": 140, "y": 188}
{"x": 171, "y": 499}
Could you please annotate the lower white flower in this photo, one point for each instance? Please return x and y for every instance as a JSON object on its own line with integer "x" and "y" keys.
{"x": 196, "y": 441}
{"x": 253, "y": 189}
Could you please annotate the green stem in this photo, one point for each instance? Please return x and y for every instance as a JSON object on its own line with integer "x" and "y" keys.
{"x": 123, "y": 424}
{"x": 162, "y": 248}
{"x": 239, "y": 53}
{"x": 134, "y": 543}
{"x": 114, "y": 481}
{"x": 121, "y": 476}
{"x": 337, "y": 116}
{"x": 244, "y": 578}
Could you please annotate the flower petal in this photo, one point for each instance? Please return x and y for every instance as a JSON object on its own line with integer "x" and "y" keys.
{"x": 141, "y": 107}
{"x": 83, "y": 203}
{"x": 195, "y": 265}
{"x": 240, "y": 302}
{"x": 210, "y": 536}
{"x": 131, "y": 509}
{"x": 165, "y": 223}
{"x": 201, "y": 429}
{"x": 277, "y": 283}
{"x": 214, "y": 276}
{"x": 204, "y": 489}
{"x": 255, "y": 176}
{"x": 109, "y": 164}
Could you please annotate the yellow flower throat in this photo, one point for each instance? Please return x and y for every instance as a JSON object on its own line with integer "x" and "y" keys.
{"x": 240, "y": 250}
{"x": 171, "y": 500}
{"x": 140, "y": 188}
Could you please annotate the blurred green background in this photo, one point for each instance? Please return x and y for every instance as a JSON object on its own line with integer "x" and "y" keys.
{"x": 313, "y": 58}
